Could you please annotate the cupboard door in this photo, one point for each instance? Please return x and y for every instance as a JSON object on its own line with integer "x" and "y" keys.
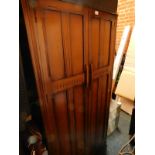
{"x": 101, "y": 53}
{"x": 61, "y": 34}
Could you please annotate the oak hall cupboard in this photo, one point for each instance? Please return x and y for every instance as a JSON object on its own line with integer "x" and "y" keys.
{"x": 72, "y": 49}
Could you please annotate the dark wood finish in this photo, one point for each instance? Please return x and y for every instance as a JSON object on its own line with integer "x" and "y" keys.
{"x": 72, "y": 52}
{"x": 102, "y": 5}
{"x": 101, "y": 29}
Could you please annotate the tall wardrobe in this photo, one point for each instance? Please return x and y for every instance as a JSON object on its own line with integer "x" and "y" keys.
{"x": 72, "y": 46}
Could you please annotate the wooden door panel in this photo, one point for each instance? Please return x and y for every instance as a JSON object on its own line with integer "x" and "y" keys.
{"x": 77, "y": 47}
{"x": 105, "y": 33}
{"x": 101, "y": 108}
{"x": 79, "y": 118}
{"x": 95, "y": 42}
{"x": 100, "y": 35}
{"x": 64, "y": 53}
{"x": 97, "y": 109}
{"x": 63, "y": 58}
{"x": 53, "y": 40}
{"x": 100, "y": 54}
{"x": 61, "y": 120}
{"x": 52, "y": 27}
{"x": 93, "y": 111}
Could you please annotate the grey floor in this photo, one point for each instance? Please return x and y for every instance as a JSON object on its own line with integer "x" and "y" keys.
{"x": 119, "y": 136}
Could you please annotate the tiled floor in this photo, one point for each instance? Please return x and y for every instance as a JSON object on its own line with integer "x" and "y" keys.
{"x": 120, "y": 136}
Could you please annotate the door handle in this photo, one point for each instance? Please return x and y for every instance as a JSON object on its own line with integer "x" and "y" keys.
{"x": 87, "y": 75}
{"x": 90, "y": 73}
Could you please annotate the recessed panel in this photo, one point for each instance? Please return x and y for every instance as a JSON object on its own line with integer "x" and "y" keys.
{"x": 53, "y": 40}
{"x": 105, "y": 28}
{"x": 62, "y": 122}
{"x": 100, "y": 32}
{"x": 76, "y": 41}
{"x": 95, "y": 41}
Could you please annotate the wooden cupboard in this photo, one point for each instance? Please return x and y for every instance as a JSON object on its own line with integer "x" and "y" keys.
{"x": 72, "y": 50}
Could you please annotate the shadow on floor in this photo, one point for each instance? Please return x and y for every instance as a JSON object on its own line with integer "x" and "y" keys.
{"x": 120, "y": 136}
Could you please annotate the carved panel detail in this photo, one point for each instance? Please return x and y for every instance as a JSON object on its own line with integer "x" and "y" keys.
{"x": 61, "y": 85}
